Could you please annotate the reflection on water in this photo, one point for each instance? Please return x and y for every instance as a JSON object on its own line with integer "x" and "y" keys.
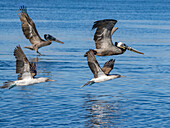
{"x": 102, "y": 113}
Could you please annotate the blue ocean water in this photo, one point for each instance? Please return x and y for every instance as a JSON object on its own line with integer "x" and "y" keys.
{"x": 141, "y": 99}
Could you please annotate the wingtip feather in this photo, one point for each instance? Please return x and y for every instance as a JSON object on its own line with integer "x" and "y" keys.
{"x": 101, "y": 22}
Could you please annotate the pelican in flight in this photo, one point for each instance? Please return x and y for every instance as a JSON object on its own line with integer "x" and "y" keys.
{"x": 27, "y": 71}
{"x": 103, "y": 39}
{"x": 30, "y": 32}
{"x": 100, "y": 74}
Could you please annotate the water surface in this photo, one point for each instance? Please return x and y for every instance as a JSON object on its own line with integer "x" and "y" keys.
{"x": 141, "y": 99}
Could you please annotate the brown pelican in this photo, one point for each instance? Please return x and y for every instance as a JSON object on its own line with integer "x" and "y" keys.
{"x": 103, "y": 41}
{"x": 27, "y": 71}
{"x": 30, "y": 32}
{"x": 100, "y": 74}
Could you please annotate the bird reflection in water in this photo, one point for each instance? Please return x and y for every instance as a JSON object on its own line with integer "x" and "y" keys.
{"x": 102, "y": 113}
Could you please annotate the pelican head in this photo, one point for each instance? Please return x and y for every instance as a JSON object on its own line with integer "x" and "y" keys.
{"x": 124, "y": 47}
{"x": 51, "y": 38}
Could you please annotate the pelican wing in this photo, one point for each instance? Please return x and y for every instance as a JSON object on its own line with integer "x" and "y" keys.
{"x": 28, "y": 26}
{"x": 108, "y": 66}
{"x": 26, "y": 69}
{"x": 93, "y": 64}
{"x": 113, "y": 30}
{"x": 102, "y": 36}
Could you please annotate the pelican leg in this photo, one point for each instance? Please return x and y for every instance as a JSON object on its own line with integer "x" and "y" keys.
{"x": 38, "y": 53}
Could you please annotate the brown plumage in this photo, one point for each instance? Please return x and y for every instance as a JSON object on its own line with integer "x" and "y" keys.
{"x": 31, "y": 33}
{"x": 95, "y": 67}
{"x": 103, "y": 39}
{"x": 102, "y": 36}
{"x": 93, "y": 64}
{"x": 100, "y": 74}
{"x": 113, "y": 30}
{"x": 108, "y": 66}
{"x": 27, "y": 71}
{"x": 22, "y": 63}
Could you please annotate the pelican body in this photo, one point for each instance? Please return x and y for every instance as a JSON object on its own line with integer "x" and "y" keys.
{"x": 103, "y": 39}
{"x": 104, "y": 78}
{"x": 25, "y": 82}
{"x": 109, "y": 51}
{"x": 100, "y": 74}
{"x": 27, "y": 71}
{"x": 31, "y": 33}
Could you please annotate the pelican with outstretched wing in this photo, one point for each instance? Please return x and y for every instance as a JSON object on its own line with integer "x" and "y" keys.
{"x": 100, "y": 74}
{"x": 103, "y": 39}
{"x": 30, "y": 32}
{"x": 27, "y": 71}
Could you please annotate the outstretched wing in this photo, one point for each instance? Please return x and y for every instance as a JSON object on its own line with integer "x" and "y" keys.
{"x": 26, "y": 69}
{"x": 108, "y": 66}
{"x": 28, "y": 26}
{"x": 102, "y": 36}
{"x": 93, "y": 64}
{"x": 113, "y": 30}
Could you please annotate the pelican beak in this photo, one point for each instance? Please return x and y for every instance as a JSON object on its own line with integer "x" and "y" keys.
{"x": 51, "y": 80}
{"x": 58, "y": 41}
{"x": 51, "y": 38}
{"x": 133, "y": 50}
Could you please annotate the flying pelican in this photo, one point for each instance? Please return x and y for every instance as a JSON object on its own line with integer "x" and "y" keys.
{"x": 27, "y": 71}
{"x": 30, "y": 32}
{"x": 103, "y": 41}
{"x": 100, "y": 74}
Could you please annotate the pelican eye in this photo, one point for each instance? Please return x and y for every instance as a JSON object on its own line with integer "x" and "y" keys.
{"x": 121, "y": 45}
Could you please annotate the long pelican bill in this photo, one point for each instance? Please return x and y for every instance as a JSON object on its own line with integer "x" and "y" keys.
{"x": 51, "y": 38}
{"x": 51, "y": 80}
{"x": 58, "y": 41}
{"x": 133, "y": 50}
{"x": 122, "y": 76}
